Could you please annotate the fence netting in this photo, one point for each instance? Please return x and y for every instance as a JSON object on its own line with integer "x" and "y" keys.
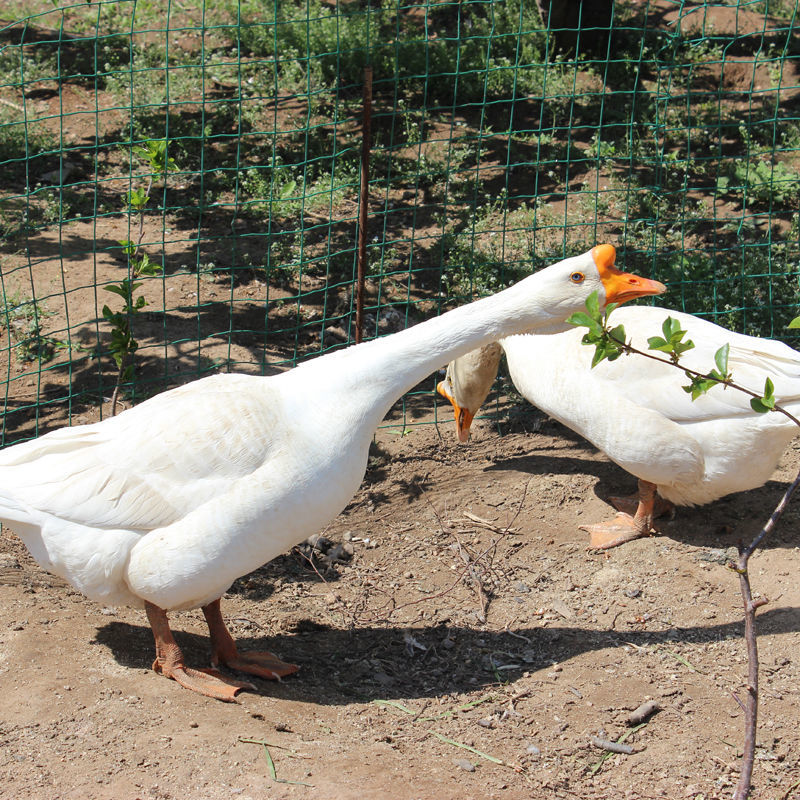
{"x": 220, "y": 144}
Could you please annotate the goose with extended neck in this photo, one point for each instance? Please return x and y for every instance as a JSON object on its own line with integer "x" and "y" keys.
{"x": 165, "y": 505}
{"x": 683, "y": 452}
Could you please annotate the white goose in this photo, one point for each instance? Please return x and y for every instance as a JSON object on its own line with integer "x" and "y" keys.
{"x": 165, "y": 505}
{"x": 635, "y": 411}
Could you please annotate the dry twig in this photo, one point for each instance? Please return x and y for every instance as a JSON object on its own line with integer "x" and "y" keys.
{"x": 750, "y": 608}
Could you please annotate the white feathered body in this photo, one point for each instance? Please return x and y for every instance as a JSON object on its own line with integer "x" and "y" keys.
{"x": 635, "y": 410}
{"x": 185, "y": 492}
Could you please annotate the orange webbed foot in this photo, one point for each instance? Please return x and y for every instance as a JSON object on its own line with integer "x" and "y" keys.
{"x": 263, "y": 664}
{"x": 622, "y": 528}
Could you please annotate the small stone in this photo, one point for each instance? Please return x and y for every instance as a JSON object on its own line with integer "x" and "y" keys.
{"x": 522, "y": 587}
{"x": 532, "y": 750}
{"x": 487, "y": 722}
{"x": 643, "y": 712}
{"x": 715, "y": 555}
{"x": 194, "y": 724}
{"x": 465, "y": 764}
{"x": 341, "y": 552}
{"x": 319, "y": 542}
{"x": 634, "y": 591}
{"x": 7, "y": 561}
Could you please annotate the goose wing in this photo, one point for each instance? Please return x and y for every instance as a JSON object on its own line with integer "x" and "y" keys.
{"x": 659, "y": 386}
{"x": 151, "y": 465}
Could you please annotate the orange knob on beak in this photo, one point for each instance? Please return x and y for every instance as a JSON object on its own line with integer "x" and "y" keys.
{"x": 621, "y": 286}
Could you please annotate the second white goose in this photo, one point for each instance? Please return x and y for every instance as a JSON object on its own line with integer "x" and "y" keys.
{"x": 684, "y": 452}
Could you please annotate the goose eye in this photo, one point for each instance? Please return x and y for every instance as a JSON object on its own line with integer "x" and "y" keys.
{"x": 577, "y": 277}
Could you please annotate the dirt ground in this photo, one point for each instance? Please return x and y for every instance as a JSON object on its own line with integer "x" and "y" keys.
{"x": 471, "y": 647}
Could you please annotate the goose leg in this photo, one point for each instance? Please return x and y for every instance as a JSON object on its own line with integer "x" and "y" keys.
{"x": 169, "y": 662}
{"x": 630, "y": 504}
{"x": 224, "y": 651}
{"x": 624, "y": 527}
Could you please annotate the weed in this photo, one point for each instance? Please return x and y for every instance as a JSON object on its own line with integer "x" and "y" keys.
{"x": 23, "y": 319}
{"x": 762, "y": 184}
{"x": 154, "y": 154}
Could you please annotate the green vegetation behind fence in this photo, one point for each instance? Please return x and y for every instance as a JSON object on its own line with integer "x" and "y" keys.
{"x": 505, "y": 135}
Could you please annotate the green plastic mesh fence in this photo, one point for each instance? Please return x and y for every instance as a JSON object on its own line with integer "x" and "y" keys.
{"x": 180, "y": 185}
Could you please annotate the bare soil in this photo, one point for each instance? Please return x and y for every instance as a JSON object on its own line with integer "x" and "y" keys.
{"x": 471, "y": 615}
{"x": 471, "y": 647}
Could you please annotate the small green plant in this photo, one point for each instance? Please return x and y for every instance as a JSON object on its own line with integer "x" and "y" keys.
{"x": 123, "y": 344}
{"x": 23, "y": 318}
{"x": 762, "y": 183}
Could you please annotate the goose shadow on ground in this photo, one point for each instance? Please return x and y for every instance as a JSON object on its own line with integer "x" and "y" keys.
{"x": 338, "y": 667}
{"x": 722, "y": 523}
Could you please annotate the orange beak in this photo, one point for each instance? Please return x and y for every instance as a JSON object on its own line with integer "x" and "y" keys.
{"x": 463, "y": 416}
{"x": 621, "y": 286}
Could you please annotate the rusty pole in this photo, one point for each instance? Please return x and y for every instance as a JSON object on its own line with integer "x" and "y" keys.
{"x": 363, "y": 203}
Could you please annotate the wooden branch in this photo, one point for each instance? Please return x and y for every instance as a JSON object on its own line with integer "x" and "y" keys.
{"x": 750, "y": 705}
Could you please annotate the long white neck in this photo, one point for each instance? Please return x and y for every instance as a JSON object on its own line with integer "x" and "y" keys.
{"x": 373, "y": 375}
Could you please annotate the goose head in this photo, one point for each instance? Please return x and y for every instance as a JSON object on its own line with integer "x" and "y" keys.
{"x": 563, "y": 288}
{"x": 468, "y": 379}
{"x": 467, "y": 383}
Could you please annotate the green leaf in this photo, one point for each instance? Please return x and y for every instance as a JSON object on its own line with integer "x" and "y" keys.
{"x": 593, "y": 305}
{"x": 114, "y": 289}
{"x": 618, "y": 334}
{"x": 758, "y": 405}
{"x": 137, "y": 199}
{"x": 147, "y": 267}
{"x": 606, "y": 349}
{"x": 154, "y": 153}
{"x": 699, "y": 385}
{"x": 599, "y": 355}
{"x": 657, "y": 343}
{"x": 582, "y": 318}
{"x": 721, "y": 358}
{"x": 128, "y": 247}
{"x": 288, "y": 190}
{"x": 670, "y": 327}
{"x": 120, "y": 338}
{"x": 795, "y": 323}
{"x": 766, "y": 403}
